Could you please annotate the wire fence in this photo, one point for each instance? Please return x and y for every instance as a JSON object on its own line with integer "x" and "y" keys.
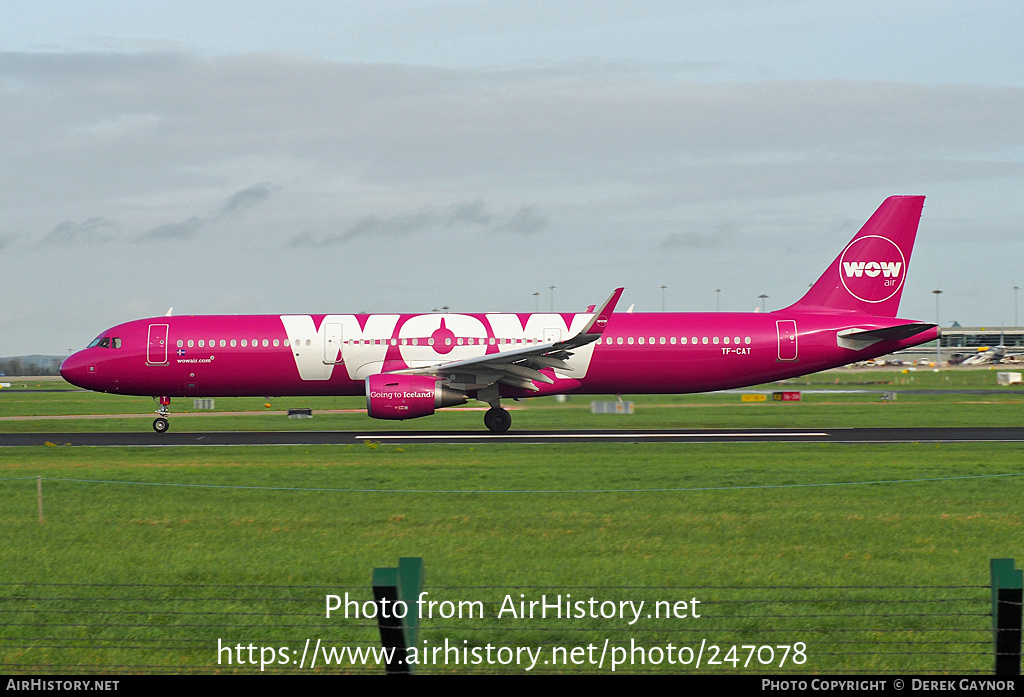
{"x": 79, "y": 628}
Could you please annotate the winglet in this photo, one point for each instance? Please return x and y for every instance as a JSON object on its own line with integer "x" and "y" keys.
{"x": 595, "y": 327}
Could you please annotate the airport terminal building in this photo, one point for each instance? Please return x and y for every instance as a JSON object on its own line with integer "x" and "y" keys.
{"x": 960, "y": 343}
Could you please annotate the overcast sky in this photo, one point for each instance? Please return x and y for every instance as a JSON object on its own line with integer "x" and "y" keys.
{"x": 273, "y": 157}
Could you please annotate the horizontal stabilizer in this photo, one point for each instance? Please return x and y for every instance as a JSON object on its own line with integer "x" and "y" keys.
{"x": 857, "y": 339}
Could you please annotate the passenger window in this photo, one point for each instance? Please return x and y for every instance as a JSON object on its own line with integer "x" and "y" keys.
{"x": 191, "y": 343}
{"x": 266, "y": 343}
{"x": 223, "y": 343}
{"x": 233, "y": 343}
{"x": 619, "y": 341}
{"x": 180, "y": 343}
{"x": 277, "y": 342}
{"x": 682, "y": 340}
{"x": 202, "y": 343}
{"x": 245, "y": 343}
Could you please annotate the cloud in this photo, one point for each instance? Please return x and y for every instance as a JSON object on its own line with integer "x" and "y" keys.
{"x": 473, "y": 216}
{"x": 624, "y": 169}
{"x": 91, "y": 231}
{"x": 700, "y": 241}
{"x": 474, "y": 213}
{"x": 525, "y": 221}
{"x": 133, "y": 127}
{"x": 234, "y": 208}
{"x": 185, "y": 230}
{"x": 246, "y": 199}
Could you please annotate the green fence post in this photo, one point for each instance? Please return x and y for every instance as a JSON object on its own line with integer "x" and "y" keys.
{"x": 410, "y": 574}
{"x": 396, "y": 590}
{"x": 1007, "y": 599}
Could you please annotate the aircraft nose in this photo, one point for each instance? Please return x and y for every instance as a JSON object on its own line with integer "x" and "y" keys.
{"x": 78, "y": 369}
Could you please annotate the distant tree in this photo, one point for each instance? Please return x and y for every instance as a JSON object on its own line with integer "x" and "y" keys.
{"x": 12, "y": 366}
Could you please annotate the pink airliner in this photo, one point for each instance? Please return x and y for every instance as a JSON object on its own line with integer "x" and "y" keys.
{"x": 409, "y": 365}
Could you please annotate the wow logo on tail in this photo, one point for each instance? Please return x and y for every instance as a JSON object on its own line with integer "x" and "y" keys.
{"x": 871, "y": 268}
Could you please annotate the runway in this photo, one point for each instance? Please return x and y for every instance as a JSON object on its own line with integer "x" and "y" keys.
{"x": 735, "y": 435}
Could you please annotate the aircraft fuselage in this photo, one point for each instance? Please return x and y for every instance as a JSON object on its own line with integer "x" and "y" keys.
{"x": 262, "y": 355}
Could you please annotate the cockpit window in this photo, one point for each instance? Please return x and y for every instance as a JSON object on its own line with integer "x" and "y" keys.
{"x": 106, "y": 342}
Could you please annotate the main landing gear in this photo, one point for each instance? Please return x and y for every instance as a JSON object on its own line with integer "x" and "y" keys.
{"x": 497, "y": 420}
{"x": 160, "y": 423}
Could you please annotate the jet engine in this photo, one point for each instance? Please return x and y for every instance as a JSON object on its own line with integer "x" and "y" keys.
{"x": 407, "y": 396}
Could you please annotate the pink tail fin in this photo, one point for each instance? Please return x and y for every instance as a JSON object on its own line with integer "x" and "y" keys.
{"x": 867, "y": 277}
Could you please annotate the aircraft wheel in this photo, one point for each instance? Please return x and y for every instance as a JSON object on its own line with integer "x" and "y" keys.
{"x": 160, "y": 425}
{"x": 497, "y": 420}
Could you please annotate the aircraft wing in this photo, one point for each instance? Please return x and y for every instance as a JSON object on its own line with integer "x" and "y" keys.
{"x": 521, "y": 367}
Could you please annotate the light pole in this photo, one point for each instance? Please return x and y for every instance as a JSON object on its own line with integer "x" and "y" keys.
{"x": 1015, "y": 289}
{"x": 718, "y": 299}
{"x": 763, "y": 298}
{"x": 552, "y": 289}
{"x": 536, "y": 301}
{"x": 663, "y": 287}
{"x": 938, "y": 325}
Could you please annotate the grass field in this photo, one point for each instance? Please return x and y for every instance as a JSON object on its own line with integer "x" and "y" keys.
{"x": 847, "y": 398}
{"x": 731, "y": 524}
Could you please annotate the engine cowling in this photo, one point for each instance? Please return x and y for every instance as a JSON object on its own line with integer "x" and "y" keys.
{"x": 407, "y": 396}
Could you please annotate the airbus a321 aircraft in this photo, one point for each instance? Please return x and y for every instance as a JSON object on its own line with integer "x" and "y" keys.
{"x": 409, "y": 365}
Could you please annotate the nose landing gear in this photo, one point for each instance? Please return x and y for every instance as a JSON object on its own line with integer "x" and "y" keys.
{"x": 160, "y": 423}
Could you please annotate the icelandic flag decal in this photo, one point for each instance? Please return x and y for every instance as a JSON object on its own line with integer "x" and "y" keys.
{"x": 181, "y": 352}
